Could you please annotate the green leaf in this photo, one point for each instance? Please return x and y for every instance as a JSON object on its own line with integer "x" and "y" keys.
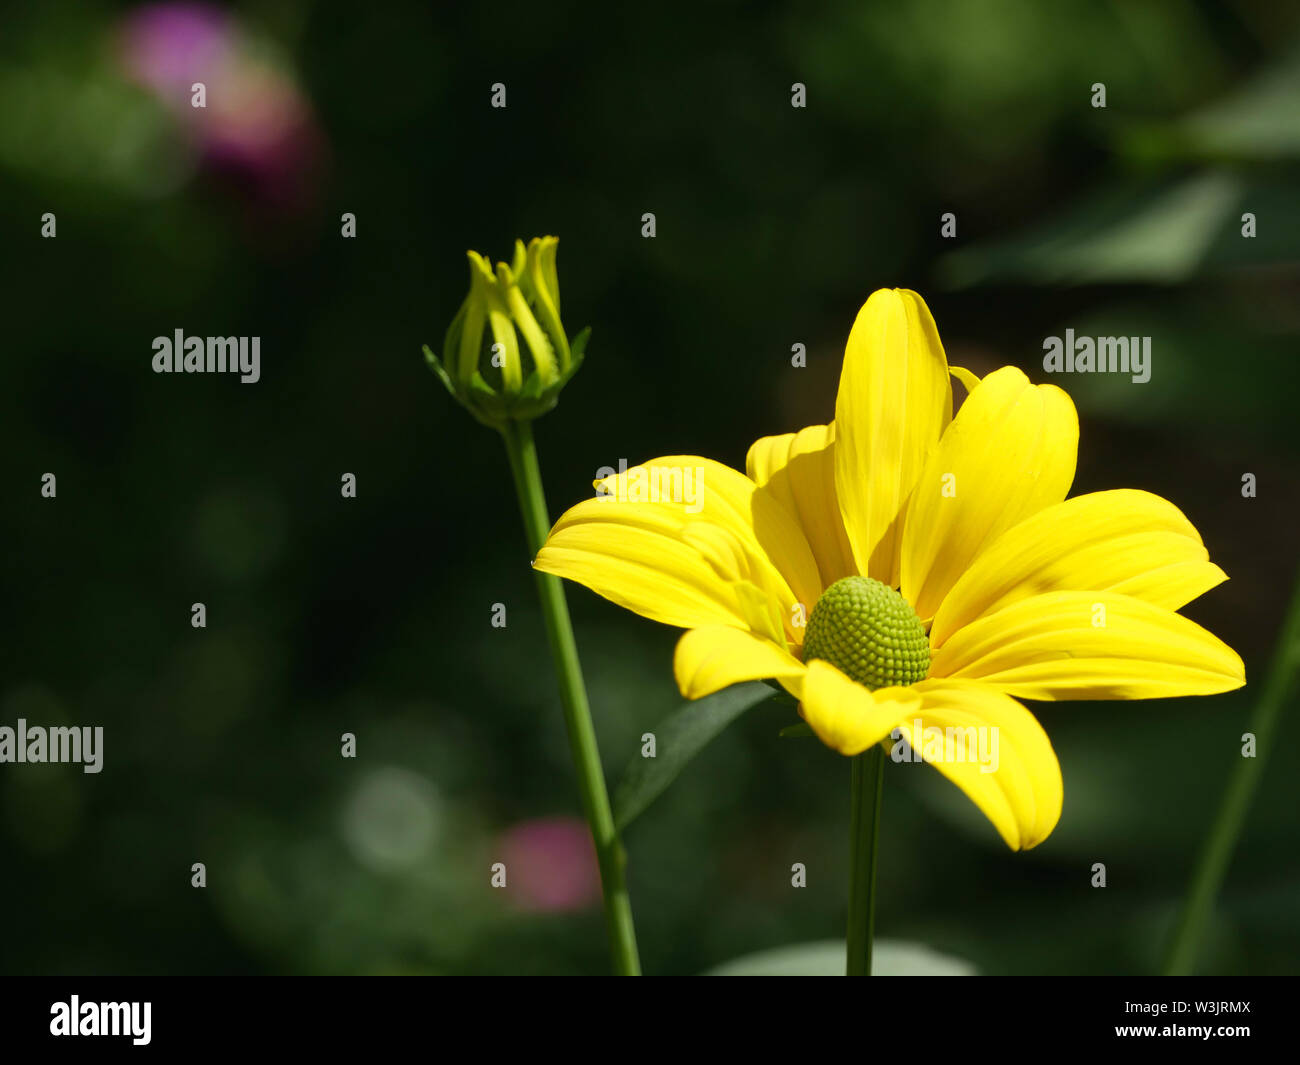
{"x": 1260, "y": 121}
{"x": 1136, "y": 231}
{"x": 796, "y": 732}
{"x": 678, "y": 739}
{"x": 826, "y": 958}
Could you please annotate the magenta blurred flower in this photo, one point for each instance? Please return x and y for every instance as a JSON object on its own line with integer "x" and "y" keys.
{"x": 256, "y": 125}
{"x": 169, "y": 46}
{"x": 550, "y": 864}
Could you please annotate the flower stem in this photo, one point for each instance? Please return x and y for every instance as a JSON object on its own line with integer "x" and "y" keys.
{"x": 610, "y": 855}
{"x": 1216, "y": 854}
{"x": 864, "y": 830}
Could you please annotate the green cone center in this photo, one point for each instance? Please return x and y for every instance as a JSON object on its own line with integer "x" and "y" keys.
{"x": 869, "y": 633}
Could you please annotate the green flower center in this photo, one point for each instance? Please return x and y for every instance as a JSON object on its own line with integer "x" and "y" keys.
{"x": 869, "y": 633}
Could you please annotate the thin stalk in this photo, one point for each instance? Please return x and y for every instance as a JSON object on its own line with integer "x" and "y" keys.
{"x": 1216, "y": 854}
{"x": 610, "y": 855}
{"x": 864, "y": 830}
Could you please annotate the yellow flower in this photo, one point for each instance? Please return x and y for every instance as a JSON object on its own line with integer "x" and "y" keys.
{"x": 1021, "y": 592}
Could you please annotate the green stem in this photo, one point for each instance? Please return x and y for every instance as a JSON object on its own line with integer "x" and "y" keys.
{"x": 577, "y": 713}
{"x": 864, "y": 830}
{"x": 1216, "y": 854}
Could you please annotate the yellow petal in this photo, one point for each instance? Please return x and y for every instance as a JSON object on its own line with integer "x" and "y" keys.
{"x": 481, "y": 279}
{"x": 759, "y": 599}
{"x": 968, "y": 379}
{"x": 539, "y": 344}
{"x": 1090, "y": 645}
{"x": 648, "y": 571}
{"x": 1122, "y": 541}
{"x": 671, "y": 539}
{"x": 846, "y": 716}
{"x": 993, "y": 749}
{"x": 895, "y": 398}
{"x": 1009, "y": 453}
{"x": 798, "y": 470}
{"x": 710, "y": 659}
{"x": 727, "y": 498}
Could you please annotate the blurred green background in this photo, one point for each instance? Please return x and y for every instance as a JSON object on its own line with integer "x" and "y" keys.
{"x": 372, "y": 615}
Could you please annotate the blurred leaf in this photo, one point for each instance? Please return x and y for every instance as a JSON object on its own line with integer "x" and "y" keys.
{"x": 1173, "y": 228}
{"x": 1261, "y": 121}
{"x": 796, "y": 732}
{"x": 1198, "y": 349}
{"x": 678, "y": 739}
{"x": 90, "y": 129}
{"x": 826, "y": 958}
{"x": 1153, "y": 233}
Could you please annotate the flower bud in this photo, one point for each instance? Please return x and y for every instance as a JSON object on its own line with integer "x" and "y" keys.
{"x": 506, "y": 356}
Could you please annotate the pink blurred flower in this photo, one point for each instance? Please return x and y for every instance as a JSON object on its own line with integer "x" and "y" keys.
{"x": 256, "y": 127}
{"x": 169, "y": 46}
{"x": 550, "y": 864}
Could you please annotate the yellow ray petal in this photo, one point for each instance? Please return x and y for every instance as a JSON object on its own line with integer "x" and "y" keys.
{"x": 798, "y": 470}
{"x": 846, "y": 716}
{"x": 648, "y": 571}
{"x": 1009, "y": 453}
{"x": 759, "y": 597}
{"x": 710, "y": 659}
{"x": 969, "y": 380}
{"x": 718, "y": 495}
{"x": 1090, "y": 645}
{"x": 994, "y": 750}
{"x": 1123, "y": 541}
{"x": 677, "y": 539}
{"x": 1173, "y": 586}
{"x": 895, "y": 398}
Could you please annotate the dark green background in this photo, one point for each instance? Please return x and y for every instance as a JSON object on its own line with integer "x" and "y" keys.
{"x": 372, "y": 615}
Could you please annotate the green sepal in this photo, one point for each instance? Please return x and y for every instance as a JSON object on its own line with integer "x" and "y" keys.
{"x": 577, "y": 349}
{"x": 480, "y": 387}
{"x": 436, "y": 366}
{"x": 532, "y": 388}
